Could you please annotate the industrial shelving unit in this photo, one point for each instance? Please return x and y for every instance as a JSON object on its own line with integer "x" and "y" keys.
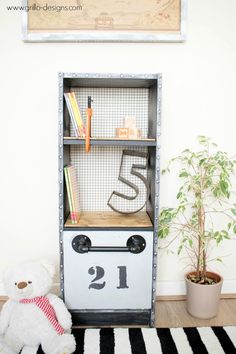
{"x": 109, "y": 259}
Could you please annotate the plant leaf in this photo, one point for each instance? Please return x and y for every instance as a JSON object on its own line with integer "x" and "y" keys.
{"x": 233, "y": 211}
{"x": 183, "y": 174}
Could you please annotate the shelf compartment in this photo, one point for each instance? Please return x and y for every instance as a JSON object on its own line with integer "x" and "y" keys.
{"x": 110, "y": 219}
{"x": 110, "y": 141}
{"x": 111, "y": 80}
{"x": 110, "y": 106}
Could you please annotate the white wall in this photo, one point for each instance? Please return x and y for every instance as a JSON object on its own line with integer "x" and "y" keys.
{"x": 199, "y": 79}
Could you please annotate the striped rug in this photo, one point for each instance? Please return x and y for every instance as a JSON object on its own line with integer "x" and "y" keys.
{"x": 200, "y": 340}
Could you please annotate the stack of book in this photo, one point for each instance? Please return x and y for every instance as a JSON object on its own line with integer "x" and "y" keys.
{"x": 75, "y": 114}
{"x": 72, "y": 192}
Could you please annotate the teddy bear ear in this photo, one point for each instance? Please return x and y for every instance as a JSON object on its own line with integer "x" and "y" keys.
{"x": 48, "y": 266}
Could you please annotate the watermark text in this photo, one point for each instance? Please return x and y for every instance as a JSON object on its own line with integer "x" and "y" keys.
{"x": 45, "y": 7}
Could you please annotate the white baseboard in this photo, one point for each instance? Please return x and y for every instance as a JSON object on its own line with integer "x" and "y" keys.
{"x": 165, "y": 288}
{"x": 229, "y": 287}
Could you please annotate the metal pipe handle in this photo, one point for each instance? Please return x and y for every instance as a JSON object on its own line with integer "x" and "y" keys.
{"x": 104, "y": 249}
{"x": 82, "y": 244}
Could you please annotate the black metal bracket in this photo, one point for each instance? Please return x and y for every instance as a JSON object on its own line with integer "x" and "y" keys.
{"x": 82, "y": 244}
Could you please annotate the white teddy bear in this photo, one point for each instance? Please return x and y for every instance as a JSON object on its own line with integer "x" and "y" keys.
{"x": 32, "y": 316}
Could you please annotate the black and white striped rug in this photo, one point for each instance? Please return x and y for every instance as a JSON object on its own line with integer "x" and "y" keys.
{"x": 200, "y": 340}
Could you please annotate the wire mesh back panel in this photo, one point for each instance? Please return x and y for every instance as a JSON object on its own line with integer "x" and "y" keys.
{"x": 98, "y": 171}
{"x": 110, "y": 106}
{"x": 97, "y": 177}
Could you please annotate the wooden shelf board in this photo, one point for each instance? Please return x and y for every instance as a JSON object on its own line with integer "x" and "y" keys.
{"x": 110, "y": 219}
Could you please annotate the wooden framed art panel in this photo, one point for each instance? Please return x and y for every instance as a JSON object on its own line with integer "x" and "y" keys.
{"x": 104, "y": 20}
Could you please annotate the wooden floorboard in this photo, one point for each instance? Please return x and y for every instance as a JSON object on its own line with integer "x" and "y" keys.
{"x": 174, "y": 314}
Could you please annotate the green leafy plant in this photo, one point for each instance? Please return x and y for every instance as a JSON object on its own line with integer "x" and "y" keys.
{"x": 204, "y": 196}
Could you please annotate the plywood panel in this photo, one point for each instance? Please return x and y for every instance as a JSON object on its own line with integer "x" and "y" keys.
{"x": 111, "y": 219}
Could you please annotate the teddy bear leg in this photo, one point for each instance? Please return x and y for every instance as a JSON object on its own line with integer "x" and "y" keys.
{"x": 60, "y": 344}
{"x": 11, "y": 344}
{"x": 4, "y": 349}
{"x": 29, "y": 350}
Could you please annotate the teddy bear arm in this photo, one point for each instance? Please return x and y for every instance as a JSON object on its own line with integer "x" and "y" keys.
{"x": 63, "y": 315}
{"x": 5, "y": 316}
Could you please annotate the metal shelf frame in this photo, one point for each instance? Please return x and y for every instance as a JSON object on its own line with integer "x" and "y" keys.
{"x": 154, "y": 83}
{"x": 110, "y": 142}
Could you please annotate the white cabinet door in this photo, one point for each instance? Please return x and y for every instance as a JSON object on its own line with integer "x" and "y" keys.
{"x": 107, "y": 280}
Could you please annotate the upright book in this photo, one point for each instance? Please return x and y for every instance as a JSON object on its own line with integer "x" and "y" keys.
{"x": 75, "y": 114}
{"x": 73, "y": 193}
{"x": 73, "y": 121}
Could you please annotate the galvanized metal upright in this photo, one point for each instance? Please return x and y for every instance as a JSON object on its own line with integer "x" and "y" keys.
{"x": 108, "y": 261}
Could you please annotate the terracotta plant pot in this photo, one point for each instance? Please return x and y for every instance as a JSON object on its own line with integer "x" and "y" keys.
{"x": 203, "y": 299}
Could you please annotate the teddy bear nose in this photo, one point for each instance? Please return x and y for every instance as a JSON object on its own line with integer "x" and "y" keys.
{"x": 22, "y": 285}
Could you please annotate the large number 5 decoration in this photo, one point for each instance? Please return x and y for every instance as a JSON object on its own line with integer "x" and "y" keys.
{"x": 130, "y": 184}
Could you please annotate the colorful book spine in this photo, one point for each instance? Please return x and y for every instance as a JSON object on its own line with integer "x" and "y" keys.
{"x": 68, "y": 187}
{"x": 77, "y": 114}
{"x": 73, "y": 196}
{"x": 74, "y": 123}
{"x": 73, "y": 193}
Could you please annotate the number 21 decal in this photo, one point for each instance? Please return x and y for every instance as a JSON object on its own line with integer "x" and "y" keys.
{"x": 99, "y": 273}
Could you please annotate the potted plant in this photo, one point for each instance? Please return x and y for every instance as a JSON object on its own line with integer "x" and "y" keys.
{"x": 204, "y": 201}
